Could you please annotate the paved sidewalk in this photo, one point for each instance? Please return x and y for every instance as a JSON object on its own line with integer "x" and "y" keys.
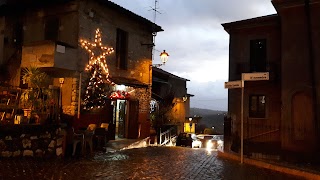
{"x": 123, "y": 143}
{"x": 275, "y": 166}
{"x": 168, "y": 163}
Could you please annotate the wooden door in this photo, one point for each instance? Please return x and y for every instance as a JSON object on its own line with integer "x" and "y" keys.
{"x": 133, "y": 125}
{"x": 303, "y": 122}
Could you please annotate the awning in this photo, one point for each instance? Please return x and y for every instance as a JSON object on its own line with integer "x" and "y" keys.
{"x": 156, "y": 96}
{"x": 128, "y": 82}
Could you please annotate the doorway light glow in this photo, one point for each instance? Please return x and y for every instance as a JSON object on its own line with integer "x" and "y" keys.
{"x": 120, "y": 87}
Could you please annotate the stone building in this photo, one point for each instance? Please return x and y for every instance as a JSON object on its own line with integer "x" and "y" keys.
{"x": 281, "y": 116}
{"x": 47, "y": 35}
{"x": 171, "y": 100}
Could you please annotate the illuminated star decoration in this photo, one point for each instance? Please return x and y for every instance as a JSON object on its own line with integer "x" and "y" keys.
{"x": 99, "y": 60}
{"x": 97, "y": 66}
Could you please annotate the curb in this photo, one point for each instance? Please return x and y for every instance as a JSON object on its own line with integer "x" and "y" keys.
{"x": 137, "y": 144}
{"x": 261, "y": 164}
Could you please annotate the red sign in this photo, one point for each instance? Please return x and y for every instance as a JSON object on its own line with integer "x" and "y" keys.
{"x": 119, "y": 95}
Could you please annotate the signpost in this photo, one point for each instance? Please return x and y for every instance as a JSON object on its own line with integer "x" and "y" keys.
{"x": 233, "y": 84}
{"x": 240, "y": 84}
{"x": 255, "y": 76}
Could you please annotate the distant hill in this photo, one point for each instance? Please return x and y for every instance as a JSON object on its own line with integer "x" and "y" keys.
{"x": 202, "y": 112}
{"x": 210, "y": 118}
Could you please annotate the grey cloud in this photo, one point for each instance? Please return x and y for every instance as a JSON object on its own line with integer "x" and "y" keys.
{"x": 194, "y": 38}
{"x": 197, "y": 11}
{"x": 186, "y": 12}
{"x": 209, "y": 95}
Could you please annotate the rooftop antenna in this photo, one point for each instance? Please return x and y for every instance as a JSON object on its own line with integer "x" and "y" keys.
{"x": 154, "y": 33}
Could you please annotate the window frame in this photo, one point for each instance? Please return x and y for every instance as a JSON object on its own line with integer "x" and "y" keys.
{"x": 258, "y": 59}
{"x": 122, "y": 49}
{"x": 259, "y": 111}
{"x": 52, "y": 26}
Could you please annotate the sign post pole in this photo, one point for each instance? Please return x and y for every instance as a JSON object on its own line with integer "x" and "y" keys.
{"x": 241, "y": 148}
{"x": 259, "y": 76}
{"x": 240, "y": 84}
{"x": 233, "y": 85}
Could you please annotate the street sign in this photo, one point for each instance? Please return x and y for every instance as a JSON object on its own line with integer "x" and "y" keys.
{"x": 233, "y": 84}
{"x": 255, "y": 76}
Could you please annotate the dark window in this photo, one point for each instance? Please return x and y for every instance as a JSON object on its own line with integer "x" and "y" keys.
{"x": 257, "y": 108}
{"x": 258, "y": 54}
{"x": 18, "y": 34}
{"x": 52, "y": 28}
{"x": 6, "y": 40}
{"x": 122, "y": 49}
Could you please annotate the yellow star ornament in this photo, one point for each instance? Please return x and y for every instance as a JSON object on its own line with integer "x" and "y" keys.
{"x": 97, "y": 53}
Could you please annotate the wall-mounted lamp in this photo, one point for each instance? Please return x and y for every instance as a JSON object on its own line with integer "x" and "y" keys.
{"x": 190, "y": 123}
{"x": 185, "y": 98}
{"x": 61, "y": 80}
{"x": 164, "y": 58}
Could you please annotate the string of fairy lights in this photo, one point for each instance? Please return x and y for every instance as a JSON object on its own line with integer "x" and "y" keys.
{"x": 99, "y": 60}
{"x": 95, "y": 94}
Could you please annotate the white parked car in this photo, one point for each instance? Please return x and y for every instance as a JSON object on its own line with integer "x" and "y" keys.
{"x": 196, "y": 143}
{"x": 211, "y": 141}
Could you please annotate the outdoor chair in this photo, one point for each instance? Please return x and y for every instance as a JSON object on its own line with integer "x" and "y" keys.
{"x": 104, "y": 125}
{"x": 88, "y": 136}
{"x": 77, "y": 138}
{"x": 92, "y": 127}
{"x": 101, "y": 134}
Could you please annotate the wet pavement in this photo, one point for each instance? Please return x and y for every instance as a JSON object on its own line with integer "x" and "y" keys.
{"x": 143, "y": 163}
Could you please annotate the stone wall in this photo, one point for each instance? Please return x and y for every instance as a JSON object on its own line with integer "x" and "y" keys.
{"x": 44, "y": 144}
{"x": 143, "y": 95}
{"x": 73, "y": 107}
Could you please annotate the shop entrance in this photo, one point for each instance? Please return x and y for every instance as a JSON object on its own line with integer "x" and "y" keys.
{"x": 120, "y": 118}
{"x": 125, "y": 118}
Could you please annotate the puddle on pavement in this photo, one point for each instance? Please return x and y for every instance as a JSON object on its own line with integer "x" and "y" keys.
{"x": 110, "y": 157}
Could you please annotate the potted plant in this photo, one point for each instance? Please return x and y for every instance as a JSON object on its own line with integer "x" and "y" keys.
{"x": 37, "y": 97}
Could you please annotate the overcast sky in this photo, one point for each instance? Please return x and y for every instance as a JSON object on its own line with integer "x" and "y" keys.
{"x": 196, "y": 41}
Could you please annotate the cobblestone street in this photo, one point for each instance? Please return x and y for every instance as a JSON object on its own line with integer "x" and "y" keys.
{"x": 143, "y": 163}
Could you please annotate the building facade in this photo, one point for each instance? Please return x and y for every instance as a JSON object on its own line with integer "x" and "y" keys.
{"x": 47, "y": 35}
{"x": 281, "y": 115}
{"x": 172, "y": 101}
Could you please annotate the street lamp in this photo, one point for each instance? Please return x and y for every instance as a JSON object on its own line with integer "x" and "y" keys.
{"x": 61, "y": 81}
{"x": 190, "y": 124}
{"x": 164, "y": 58}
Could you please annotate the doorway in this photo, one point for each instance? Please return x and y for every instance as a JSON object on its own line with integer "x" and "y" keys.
{"x": 303, "y": 122}
{"x": 302, "y": 116}
{"x": 120, "y": 118}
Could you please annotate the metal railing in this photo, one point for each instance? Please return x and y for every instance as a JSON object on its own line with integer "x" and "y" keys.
{"x": 166, "y": 136}
{"x": 262, "y": 134}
